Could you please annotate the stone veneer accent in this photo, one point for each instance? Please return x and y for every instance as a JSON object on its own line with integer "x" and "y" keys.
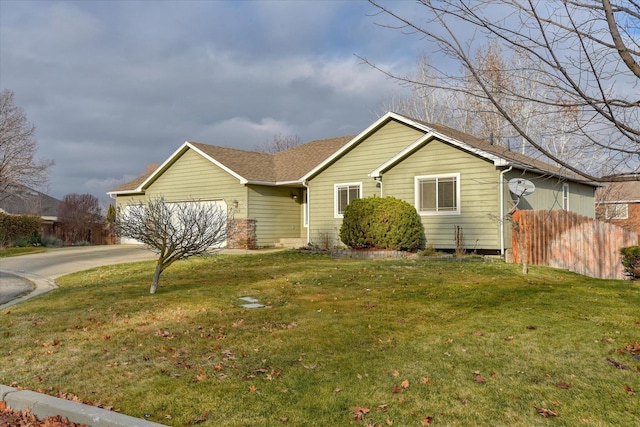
{"x": 242, "y": 234}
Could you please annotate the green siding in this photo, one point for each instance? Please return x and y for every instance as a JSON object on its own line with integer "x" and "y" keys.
{"x": 479, "y": 195}
{"x": 277, "y": 214}
{"x": 192, "y": 176}
{"x": 354, "y": 166}
{"x": 548, "y": 194}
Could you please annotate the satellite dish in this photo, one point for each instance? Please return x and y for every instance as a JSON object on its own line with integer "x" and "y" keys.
{"x": 521, "y": 187}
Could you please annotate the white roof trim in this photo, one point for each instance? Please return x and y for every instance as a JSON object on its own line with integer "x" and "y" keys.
{"x": 161, "y": 169}
{"x": 615, "y": 202}
{"x": 349, "y": 144}
{"x": 242, "y": 179}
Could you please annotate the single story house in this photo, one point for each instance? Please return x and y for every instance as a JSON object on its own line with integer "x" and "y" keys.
{"x": 297, "y": 197}
{"x": 619, "y": 203}
{"x": 22, "y": 200}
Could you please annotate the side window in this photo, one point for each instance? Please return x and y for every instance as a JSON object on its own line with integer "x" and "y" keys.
{"x": 565, "y": 196}
{"x": 344, "y": 194}
{"x": 617, "y": 211}
{"x": 438, "y": 194}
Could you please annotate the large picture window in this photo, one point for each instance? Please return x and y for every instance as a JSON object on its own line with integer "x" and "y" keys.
{"x": 438, "y": 194}
{"x": 344, "y": 194}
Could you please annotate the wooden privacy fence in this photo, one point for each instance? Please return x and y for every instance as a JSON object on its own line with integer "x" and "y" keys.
{"x": 572, "y": 242}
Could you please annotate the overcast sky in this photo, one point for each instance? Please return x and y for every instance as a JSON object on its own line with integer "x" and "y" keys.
{"x": 113, "y": 86}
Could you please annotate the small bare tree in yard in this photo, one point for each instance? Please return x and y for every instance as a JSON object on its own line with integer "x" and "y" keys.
{"x": 174, "y": 230}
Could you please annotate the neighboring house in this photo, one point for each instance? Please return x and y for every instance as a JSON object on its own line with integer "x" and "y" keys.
{"x": 22, "y": 200}
{"x": 298, "y": 196}
{"x": 619, "y": 203}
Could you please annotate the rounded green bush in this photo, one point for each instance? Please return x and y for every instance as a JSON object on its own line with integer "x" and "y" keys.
{"x": 382, "y": 223}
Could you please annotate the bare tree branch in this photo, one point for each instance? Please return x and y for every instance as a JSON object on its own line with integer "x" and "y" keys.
{"x": 18, "y": 146}
{"x": 174, "y": 230}
{"x": 582, "y": 55}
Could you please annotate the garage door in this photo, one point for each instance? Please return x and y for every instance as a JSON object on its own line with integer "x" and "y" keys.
{"x": 221, "y": 203}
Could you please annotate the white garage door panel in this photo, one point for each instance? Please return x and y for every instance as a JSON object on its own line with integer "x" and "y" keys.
{"x": 221, "y": 203}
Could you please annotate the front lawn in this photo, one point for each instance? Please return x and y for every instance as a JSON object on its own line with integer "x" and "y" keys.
{"x": 7, "y": 252}
{"x": 340, "y": 342}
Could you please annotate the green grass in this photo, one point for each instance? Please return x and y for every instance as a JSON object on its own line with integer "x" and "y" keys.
{"x": 405, "y": 339}
{"x": 21, "y": 251}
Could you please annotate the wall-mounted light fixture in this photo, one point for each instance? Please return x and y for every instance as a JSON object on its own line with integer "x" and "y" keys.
{"x": 235, "y": 203}
{"x": 294, "y": 196}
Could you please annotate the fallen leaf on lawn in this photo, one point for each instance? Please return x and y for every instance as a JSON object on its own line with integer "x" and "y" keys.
{"x": 359, "y": 413}
{"x": 426, "y": 421}
{"x": 546, "y": 412}
{"x": 531, "y": 327}
{"x": 478, "y": 333}
{"x": 396, "y": 374}
{"x": 202, "y": 418}
{"x": 200, "y": 378}
{"x": 396, "y": 389}
{"x": 253, "y": 388}
{"x": 337, "y": 390}
{"x": 425, "y": 380}
{"x": 284, "y": 419}
{"x": 389, "y": 422}
{"x": 629, "y": 390}
{"x": 405, "y": 384}
{"x": 563, "y": 385}
{"x": 634, "y": 348}
{"x": 480, "y": 379}
{"x": 509, "y": 338}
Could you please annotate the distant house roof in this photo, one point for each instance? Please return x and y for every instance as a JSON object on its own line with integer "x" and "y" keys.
{"x": 620, "y": 192}
{"x": 26, "y": 201}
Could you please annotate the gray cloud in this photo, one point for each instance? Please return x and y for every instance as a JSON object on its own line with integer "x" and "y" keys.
{"x": 114, "y": 86}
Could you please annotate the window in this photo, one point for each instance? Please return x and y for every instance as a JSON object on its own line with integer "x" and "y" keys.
{"x": 565, "y": 196}
{"x": 344, "y": 194}
{"x": 616, "y": 211}
{"x": 438, "y": 195}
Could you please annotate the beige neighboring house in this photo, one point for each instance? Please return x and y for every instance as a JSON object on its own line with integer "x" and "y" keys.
{"x": 619, "y": 203}
{"x": 297, "y": 197}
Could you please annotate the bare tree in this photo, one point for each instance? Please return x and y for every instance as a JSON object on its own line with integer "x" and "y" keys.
{"x": 174, "y": 230}
{"x": 278, "y": 143}
{"x": 587, "y": 51}
{"x": 78, "y": 215}
{"x": 18, "y": 145}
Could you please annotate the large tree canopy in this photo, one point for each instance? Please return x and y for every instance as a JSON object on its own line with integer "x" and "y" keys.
{"x": 574, "y": 61}
{"x": 18, "y": 146}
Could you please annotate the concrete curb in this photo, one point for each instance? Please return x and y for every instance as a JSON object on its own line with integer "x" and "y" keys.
{"x": 43, "y": 406}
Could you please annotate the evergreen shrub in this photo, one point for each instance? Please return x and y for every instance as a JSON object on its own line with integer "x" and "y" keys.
{"x": 631, "y": 261}
{"x": 381, "y": 223}
{"x": 18, "y": 228}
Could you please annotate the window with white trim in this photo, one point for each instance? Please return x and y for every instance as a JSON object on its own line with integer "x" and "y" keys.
{"x": 616, "y": 211}
{"x": 344, "y": 194}
{"x": 438, "y": 194}
{"x": 565, "y": 196}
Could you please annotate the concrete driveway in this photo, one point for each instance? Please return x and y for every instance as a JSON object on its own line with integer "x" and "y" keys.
{"x": 26, "y": 276}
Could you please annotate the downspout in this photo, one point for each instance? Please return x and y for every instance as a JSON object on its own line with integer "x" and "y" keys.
{"x": 308, "y": 212}
{"x": 501, "y": 189}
